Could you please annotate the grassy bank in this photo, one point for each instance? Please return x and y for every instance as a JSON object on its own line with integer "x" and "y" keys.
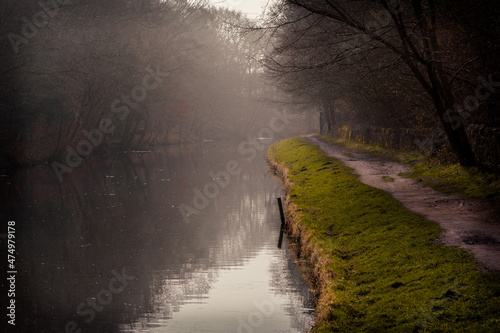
{"x": 376, "y": 265}
{"x": 449, "y": 178}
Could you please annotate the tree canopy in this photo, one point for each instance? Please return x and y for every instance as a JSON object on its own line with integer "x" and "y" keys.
{"x": 417, "y": 62}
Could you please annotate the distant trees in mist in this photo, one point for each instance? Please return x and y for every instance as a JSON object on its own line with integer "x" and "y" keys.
{"x": 160, "y": 71}
{"x": 156, "y": 72}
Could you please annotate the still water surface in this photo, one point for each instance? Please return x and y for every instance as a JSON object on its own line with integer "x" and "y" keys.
{"x": 108, "y": 250}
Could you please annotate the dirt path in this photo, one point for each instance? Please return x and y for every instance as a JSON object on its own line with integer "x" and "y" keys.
{"x": 467, "y": 224}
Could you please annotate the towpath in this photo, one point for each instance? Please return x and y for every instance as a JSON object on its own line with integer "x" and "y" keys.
{"x": 467, "y": 224}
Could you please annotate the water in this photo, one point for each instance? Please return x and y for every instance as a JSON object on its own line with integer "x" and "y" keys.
{"x": 109, "y": 250}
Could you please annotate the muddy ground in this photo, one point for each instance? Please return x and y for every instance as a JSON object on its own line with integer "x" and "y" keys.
{"x": 466, "y": 223}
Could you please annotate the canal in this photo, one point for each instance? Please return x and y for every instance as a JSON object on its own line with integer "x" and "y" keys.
{"x": 179, "y": 239}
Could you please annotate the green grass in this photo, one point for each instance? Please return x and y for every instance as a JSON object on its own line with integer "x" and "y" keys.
{"x": 449, "y": 178}
{"x": 379, "y": 151}
{"x": 454, "y": 179}
{"x": 389, "y": 273}
{"x": 388, "y": 179}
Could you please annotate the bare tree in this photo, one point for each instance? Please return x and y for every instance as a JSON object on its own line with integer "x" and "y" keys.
{"x": 370, "y": 38}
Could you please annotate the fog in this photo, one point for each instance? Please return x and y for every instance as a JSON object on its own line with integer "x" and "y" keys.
{"x": 113, "y": 115}
{"x": 85, "y": 77}
{"x": 153, "y": 117}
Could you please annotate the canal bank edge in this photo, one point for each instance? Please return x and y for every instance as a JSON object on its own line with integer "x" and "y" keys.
{"x": 434, "y": 287}
{"x": 313, "y": 262}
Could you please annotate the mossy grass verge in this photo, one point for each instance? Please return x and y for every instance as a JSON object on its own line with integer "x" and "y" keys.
{"x": 388, "y": 179}
{"x": 376, "y": 265}
{"x": 450, "y": 178}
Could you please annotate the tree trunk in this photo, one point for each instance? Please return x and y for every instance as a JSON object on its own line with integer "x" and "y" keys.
{"x": 457, "y": 137}
{"x": 329, "y": 113}
{"x": 453, "y": 124}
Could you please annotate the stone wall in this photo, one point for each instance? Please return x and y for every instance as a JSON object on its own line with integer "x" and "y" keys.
{"x": 399, "y": 139}
{"x": 485, "y": 140}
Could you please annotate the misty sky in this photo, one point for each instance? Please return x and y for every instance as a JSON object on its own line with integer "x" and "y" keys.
{"x": 252, "y": 8}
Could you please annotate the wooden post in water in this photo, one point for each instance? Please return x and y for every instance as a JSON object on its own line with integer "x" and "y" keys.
{"x": 282, "y": 229}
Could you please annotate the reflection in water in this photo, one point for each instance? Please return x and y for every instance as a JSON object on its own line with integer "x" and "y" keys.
{"x": 109, "y": 251}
